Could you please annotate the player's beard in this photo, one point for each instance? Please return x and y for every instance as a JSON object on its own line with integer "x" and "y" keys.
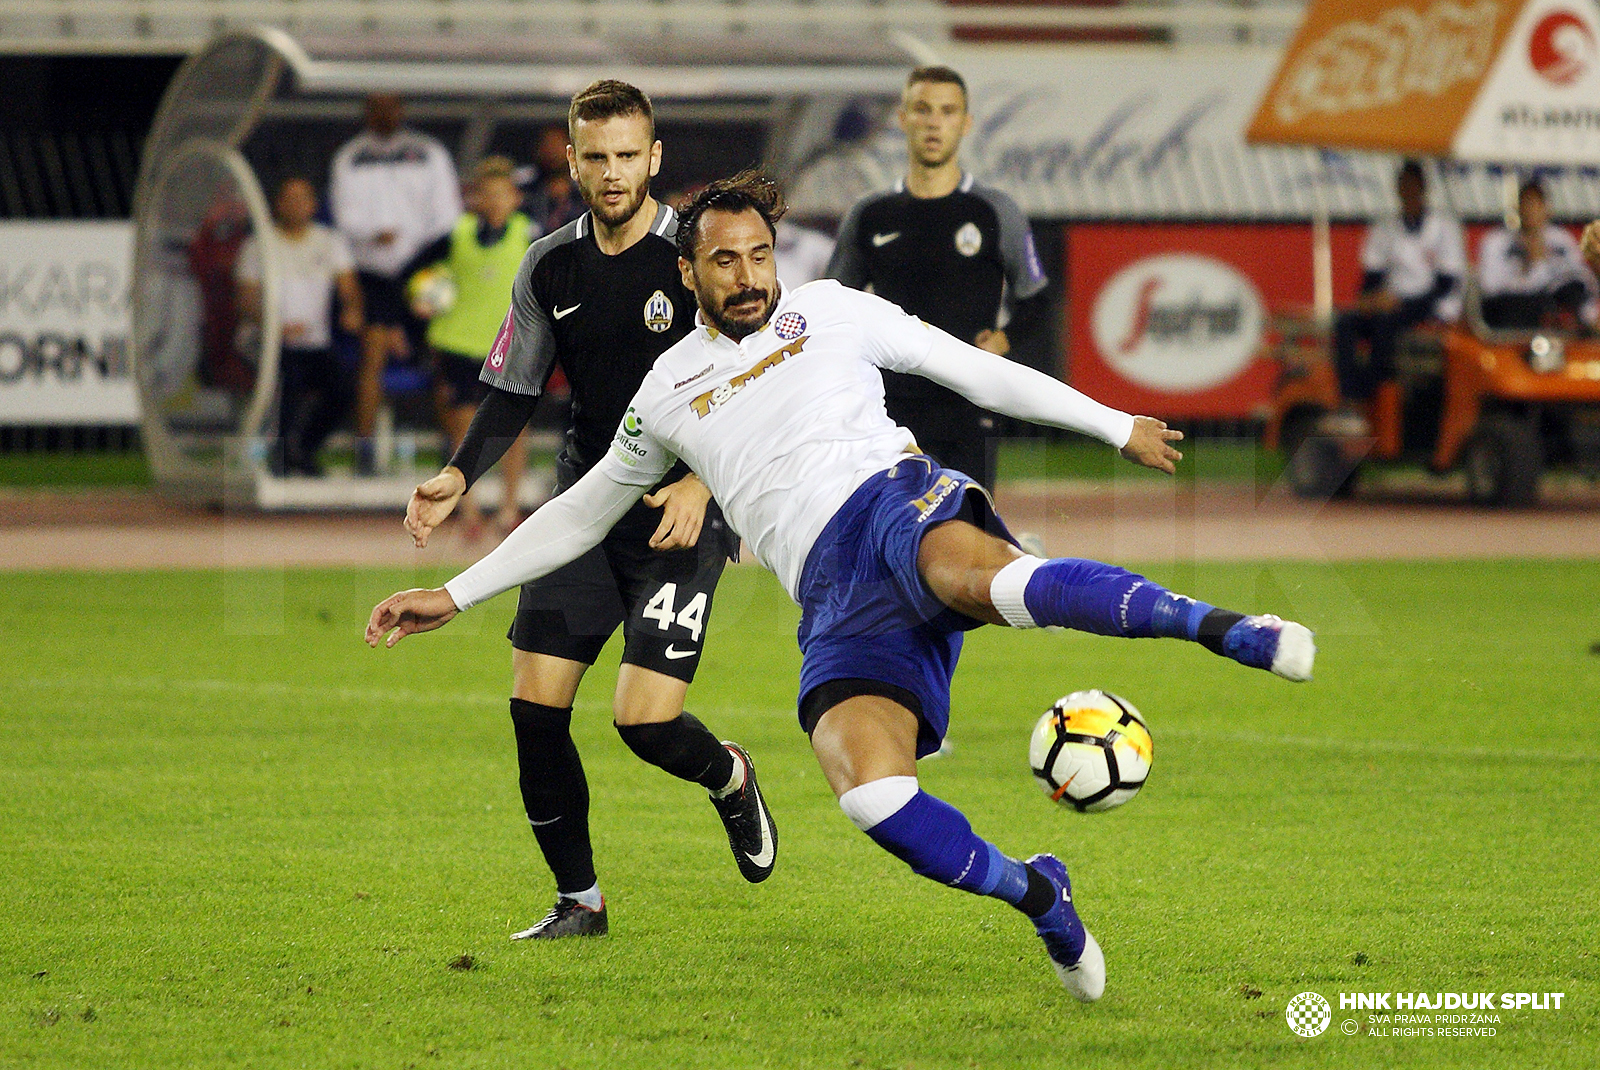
{"x": 936, "y": 158}
{"x": 742, "y": 326}
{"x": 624, "y": 210}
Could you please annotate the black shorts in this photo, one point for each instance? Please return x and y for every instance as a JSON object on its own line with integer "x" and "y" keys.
{"x": 661, "y": 600}
{"x": 384, "y": 300}
{"x": 459, "y": 375}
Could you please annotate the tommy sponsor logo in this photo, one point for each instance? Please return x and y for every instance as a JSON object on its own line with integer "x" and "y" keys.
{"x": 935, "y": 496}
{"x": 699, "y": 374}
{"x": 502, "y": 343}
{"x": 712, "y": 399}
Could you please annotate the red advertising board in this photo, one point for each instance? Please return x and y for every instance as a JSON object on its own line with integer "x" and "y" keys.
{"x": 1176, "y": 319}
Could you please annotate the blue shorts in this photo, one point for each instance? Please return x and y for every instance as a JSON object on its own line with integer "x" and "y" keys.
{"x": 866, "y": 613}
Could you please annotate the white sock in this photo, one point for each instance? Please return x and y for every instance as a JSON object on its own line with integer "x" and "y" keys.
{"x": 1007, "y": 588}
{"x": 877, "y": 800}
{"x": 736, "y": 781}
{"x": 589, "y": 897}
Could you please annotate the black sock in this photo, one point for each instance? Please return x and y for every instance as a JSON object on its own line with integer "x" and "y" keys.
{"x": 554, "y": 792}
{"x": 1214, "y": 625}
{"x": 683, "y": 747}
{"x": 1040, "y": 896}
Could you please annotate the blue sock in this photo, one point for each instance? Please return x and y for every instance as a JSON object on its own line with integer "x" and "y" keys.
{"x": 937, "y": 842}
{"x": 1089, "y": 596}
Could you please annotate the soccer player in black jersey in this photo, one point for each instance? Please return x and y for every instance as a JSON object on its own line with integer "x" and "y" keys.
{"x": 952, "y": 252}
{"x": 603, "y": 297}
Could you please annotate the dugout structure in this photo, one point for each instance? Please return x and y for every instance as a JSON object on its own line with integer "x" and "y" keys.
{"x": 254, "y": 106}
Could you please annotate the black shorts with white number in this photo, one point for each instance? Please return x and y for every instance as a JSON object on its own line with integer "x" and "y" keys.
{"x": 662, "y": 600}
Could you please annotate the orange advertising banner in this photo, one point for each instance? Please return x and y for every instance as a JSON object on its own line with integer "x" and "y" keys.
{"x": 1387, "y": 75}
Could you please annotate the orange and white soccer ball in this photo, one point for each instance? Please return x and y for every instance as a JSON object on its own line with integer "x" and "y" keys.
{"x": 1091, "y": 751}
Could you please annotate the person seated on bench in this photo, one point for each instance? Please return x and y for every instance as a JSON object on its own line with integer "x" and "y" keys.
{"x": 1534, "y": 276}
{"x": 1412, "y": 267}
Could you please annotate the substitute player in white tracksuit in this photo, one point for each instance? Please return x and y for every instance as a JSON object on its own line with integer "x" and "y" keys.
{"x": 776, "y": 401}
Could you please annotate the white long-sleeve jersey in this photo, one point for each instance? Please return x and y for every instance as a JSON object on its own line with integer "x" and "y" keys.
{"x": 782, "y": 427}
{"x": 405, "y": 183}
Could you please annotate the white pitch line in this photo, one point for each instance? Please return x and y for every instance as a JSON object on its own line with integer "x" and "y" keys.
{"x": 482, "y": 698}
{"x": 1378, "y": 746}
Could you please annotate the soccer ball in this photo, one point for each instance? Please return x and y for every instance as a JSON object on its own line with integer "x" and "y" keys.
{"x": 1091, "y": 751}
{"x": 432, "y": 292}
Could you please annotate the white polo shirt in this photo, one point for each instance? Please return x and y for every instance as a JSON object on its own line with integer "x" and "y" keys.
{"x": 1503, "y": 267}
{"x": 405, "y": 183}
{"x": 309, "y": 267}
{"x": 1410, "y": 260}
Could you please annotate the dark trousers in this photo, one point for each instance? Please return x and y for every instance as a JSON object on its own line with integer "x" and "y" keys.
{"x": 952, "y": 431}
{"x": 1359, "y": 378}
{"x": 316, "y": 392}
{"x": 1534, "y": 310}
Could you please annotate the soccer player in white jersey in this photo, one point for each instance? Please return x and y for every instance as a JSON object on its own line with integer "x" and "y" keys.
{"x": 776, "y": 401}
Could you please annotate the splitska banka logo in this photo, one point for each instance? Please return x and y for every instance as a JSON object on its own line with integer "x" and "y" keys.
{"x": 703, "y": 404}
{"x": 1561, "y": 47}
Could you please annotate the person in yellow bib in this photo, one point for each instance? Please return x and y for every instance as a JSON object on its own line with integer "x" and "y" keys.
{"x": 461, "y": 284}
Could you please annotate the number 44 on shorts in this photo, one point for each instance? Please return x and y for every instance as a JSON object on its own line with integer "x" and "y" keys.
{"x": 661, "y": 610}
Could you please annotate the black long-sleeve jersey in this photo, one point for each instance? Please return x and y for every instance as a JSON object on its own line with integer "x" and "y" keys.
{"x": 604, "y": 319}
{"x": 954, "y": 261}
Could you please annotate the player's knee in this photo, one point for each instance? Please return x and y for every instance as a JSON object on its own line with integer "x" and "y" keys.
{"x": 869, "y": 805}
{"x": 539, "y": 719}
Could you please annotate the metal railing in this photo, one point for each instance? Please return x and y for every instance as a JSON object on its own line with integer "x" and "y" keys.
{"x": 130, "y": 26}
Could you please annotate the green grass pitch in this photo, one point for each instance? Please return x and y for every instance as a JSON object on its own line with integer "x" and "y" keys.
{"x": 231, "y": 835}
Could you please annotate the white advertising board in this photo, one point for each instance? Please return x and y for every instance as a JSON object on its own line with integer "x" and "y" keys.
{"x": 1147, "y": 134}
{"x": 64, "y": 323}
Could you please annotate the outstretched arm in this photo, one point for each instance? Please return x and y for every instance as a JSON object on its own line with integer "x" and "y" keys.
{"x": 1004, "y": 386}
{"x": 561, "y": 530}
